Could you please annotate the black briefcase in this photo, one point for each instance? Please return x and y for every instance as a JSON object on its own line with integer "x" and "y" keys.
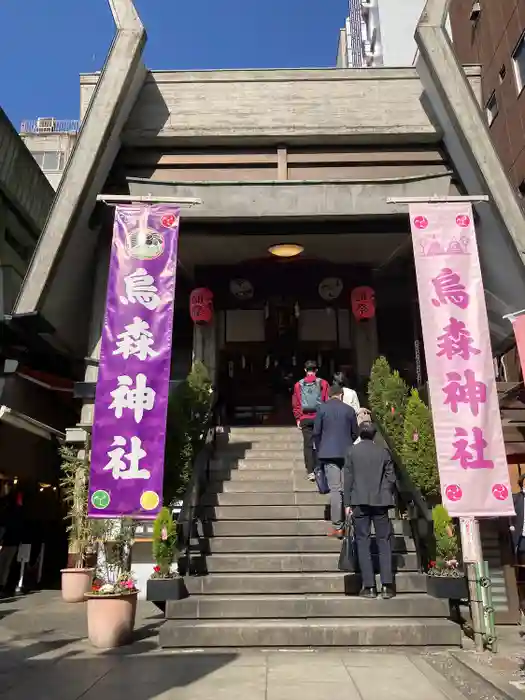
{"x": 348, "y": 560}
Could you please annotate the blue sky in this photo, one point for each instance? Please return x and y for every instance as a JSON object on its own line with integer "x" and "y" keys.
{"x": 45, "y": 45}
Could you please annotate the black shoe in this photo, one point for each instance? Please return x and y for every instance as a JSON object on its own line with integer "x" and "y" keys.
{"x": 387, "y": 592}
{"x": 368, "y": 593}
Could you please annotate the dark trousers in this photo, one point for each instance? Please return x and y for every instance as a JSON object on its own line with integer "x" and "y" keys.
{"x": 363, "y": 518}
{"x": 307, "y": 428}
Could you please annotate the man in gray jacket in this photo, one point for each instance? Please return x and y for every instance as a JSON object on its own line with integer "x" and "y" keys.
{"x": 369, "y": 483}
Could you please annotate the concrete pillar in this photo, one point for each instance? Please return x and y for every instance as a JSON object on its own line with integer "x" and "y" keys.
{"x": 205, "y": 347}
{"x": 98, "y": 308}
{"x": 364, "y": 337}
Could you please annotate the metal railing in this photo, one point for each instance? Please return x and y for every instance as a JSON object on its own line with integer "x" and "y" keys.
{"x": 191, "y": 510}
{"x": 50, "y": 126}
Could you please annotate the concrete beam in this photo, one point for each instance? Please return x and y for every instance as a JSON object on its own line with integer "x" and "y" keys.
{"x": 98, "y": 143}
{"x": 285, "y": 199}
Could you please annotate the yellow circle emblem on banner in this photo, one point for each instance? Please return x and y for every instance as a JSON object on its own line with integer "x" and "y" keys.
{"x": 149, "y": 500}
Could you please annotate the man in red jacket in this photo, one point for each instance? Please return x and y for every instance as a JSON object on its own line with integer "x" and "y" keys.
{"x": 308, "y": 394}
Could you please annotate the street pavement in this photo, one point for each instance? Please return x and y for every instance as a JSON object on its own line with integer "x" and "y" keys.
{"x": 44, "y": 655}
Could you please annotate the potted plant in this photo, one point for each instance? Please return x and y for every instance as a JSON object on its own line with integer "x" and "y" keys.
{"x": 445, "y": 576}
{"x": 164, "y": 583}
{"x": 112, "y": 601}
{"x": 77, "y": 578}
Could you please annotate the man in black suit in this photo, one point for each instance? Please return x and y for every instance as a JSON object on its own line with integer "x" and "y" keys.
{"x": 369, "y": 482}
{"x": 335, "y": 429}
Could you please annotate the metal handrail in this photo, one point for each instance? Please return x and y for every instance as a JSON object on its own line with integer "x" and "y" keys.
{"x": 50, "y": 126}
{"x": 419, "y": 511}
{"x": 189, "y": 512}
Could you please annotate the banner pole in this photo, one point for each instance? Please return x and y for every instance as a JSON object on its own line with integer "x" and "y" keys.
{"x": 473, "y": 558}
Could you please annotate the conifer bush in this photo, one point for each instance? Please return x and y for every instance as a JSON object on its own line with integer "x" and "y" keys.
{"x": 376, "y": 386}
{"x": 395, "y": 397}
{"x": 418, "y": 450}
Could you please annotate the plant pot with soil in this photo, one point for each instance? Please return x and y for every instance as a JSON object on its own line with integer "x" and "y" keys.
{"x": 78, "y": 576}
{"x": 165, "y": 583}
{"x": 112, "y": 601}
{"x": 445, "y": 576}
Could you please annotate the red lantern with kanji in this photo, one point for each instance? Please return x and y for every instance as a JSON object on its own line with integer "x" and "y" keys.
{"x": 363, "y": 303}
{"x": 201, "y": 305}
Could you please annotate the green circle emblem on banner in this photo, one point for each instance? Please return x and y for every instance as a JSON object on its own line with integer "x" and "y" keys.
{"x": 100, "y": 499}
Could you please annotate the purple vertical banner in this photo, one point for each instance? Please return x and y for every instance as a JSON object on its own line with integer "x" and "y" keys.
{"x": 129, "y": 430}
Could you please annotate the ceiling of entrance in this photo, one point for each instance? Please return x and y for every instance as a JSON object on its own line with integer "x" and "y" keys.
{"x": 374, "y": 249}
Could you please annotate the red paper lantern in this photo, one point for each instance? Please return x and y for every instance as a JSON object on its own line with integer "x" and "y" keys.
{"x": 201, "y": 305}
{"x": 363, "y": 303}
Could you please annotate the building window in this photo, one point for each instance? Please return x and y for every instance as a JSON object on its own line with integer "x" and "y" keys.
{"x": 518, "y": 60}
{"x": 492, "y": 108}
{"x": 49, "y": 161}
{"x": 521, "y": 189}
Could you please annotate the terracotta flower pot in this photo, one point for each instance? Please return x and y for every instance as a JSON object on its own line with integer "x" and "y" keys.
{"x": 75, "y": 584}
{"x": 111, "y": 619}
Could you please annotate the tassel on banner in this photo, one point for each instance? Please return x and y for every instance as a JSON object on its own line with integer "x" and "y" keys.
{"x": 230, "y": 369}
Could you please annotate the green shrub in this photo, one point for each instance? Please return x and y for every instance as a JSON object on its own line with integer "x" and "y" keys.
{"x": 419, "y": 448}
{"x": 446, "y": 539}
{"x": 376, "y": 386}
{"x": 188, "y": 410}
{"x": 164, "y": 542}
{"x": 395, "y": 397}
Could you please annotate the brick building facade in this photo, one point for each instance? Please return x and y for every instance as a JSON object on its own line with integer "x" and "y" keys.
{"x": 491, "y": 33}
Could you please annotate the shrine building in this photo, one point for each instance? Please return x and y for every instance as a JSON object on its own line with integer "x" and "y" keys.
{"x": 294, "y": 171}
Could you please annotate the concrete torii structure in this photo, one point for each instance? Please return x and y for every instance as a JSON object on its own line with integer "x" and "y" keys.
{"x": 448, "y": 96}
{"x": 125, "y": 107}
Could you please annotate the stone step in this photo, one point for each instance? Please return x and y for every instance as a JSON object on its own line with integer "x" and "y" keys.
{"x": 314, "y": 512}
{"x": 290, "y": 498}
{"x": 285, "y": 450}
{"x": 245, "y": 474}
{"x": 285, "y": 562}
{"x": 262, "y": 430}
{"x": 284, "y": 464}
{"x": 284, "y": 528}
{"x": 283, "y": 544}
{"x": 320, "y": 632}
{"x": 304, "y": 606}
{"x": 334, "y": 583}
{"x": 276, "y": 485}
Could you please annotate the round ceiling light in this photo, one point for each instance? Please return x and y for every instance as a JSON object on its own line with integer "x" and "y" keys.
{"x": 286, "y": 250}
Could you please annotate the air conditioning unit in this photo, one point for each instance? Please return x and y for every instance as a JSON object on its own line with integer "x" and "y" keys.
{"x": 475, "y": 11}
{"x": 45, "y": 125}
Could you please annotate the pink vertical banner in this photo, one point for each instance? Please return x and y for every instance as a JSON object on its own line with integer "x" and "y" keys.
{"x": 469, "y": 438}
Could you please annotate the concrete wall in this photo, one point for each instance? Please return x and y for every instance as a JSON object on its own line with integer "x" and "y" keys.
{"x": 358, "y": 105}
{"x": 63, "y": 143}
{"x": 21, "y": 180}
{"x": 398, "y": 21}
{"x": 25, "y": 199}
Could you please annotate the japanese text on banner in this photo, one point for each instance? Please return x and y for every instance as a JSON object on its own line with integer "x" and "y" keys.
{"x": 127, "y": 459}
{"x": 469, "y": 439}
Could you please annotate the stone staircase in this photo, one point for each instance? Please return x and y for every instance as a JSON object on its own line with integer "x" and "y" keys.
{"x": 269, "y": 572}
